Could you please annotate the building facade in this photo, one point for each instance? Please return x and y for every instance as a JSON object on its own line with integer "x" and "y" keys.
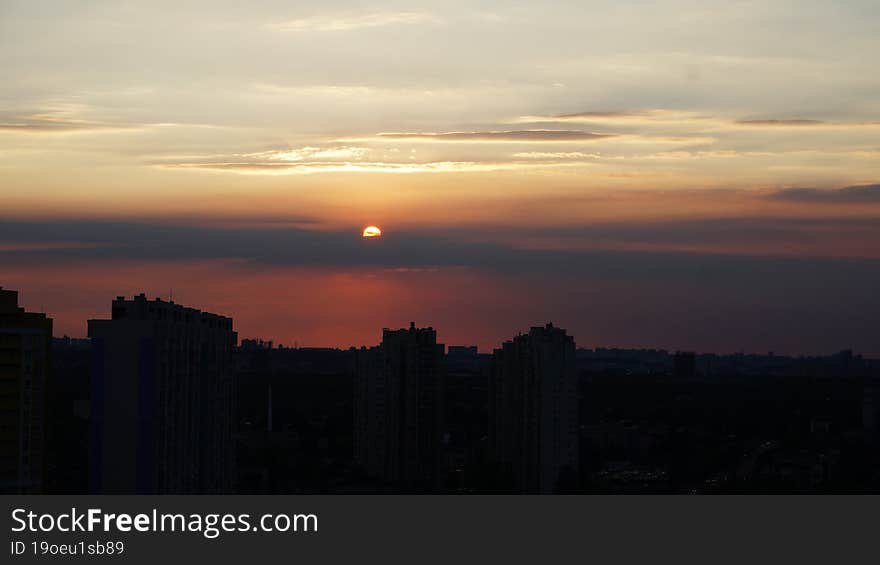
{"x": 25, "y": 351}
{"x": 162, "y": 400}
{"x": 369, "y": 406}
{"x": 399, "y": 408}
{"x": 533, "y": 409}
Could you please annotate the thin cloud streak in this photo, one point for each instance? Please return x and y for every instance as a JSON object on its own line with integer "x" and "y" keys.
{"x": 341, "y": 23}
{"x": 519, "y": 136}
{"x": 317, "y": 167}
{"x": 64, "y": 127}
{"x": 580, "y": 155}
{"x": 804, "y": 124}
{"x": 668, "y": 117}
{"x": 49, "y": 123}
{"x": 623, "y": 117}
{"x": 862, "y": 194}
{"x": 779, "y": 123}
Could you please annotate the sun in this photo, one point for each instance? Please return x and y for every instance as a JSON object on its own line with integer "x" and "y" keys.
{"x": 372, "y": 231}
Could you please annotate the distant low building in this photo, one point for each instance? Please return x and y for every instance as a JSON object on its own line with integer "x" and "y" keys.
{"x": 162, "y": 400}
{"x": 25, "y": 347}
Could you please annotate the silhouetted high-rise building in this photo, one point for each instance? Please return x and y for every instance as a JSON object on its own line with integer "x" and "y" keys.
{"x": 369, "y": 405}
{"x": 685, "y": 364}
{"x": 399, "y": 408}
{"x": 162, "y": 400}
{"x": 533, "y": 409}
{"x": 25, "y": 346}
{"x": 871, "y": 408}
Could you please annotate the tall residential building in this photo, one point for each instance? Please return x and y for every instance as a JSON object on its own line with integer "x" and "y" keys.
{"x": 25, "y": 346}
{"x": 399, "y": 404}
{"x": 369, "y": 405}
{"x": 871, "y": 408}
{"x": 162, "y": 400}
{"x": 533, "y": 409}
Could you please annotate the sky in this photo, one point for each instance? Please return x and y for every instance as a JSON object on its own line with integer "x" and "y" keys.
{"x": 674, "y": 174}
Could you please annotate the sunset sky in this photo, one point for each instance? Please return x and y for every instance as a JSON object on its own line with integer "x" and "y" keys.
{"x": 678, "y": 174}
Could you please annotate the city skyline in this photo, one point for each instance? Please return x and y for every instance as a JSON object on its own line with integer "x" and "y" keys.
{"x": 160, "y": 399}
{"x": 453, "y": 347}
{"x": 677, "y": 174}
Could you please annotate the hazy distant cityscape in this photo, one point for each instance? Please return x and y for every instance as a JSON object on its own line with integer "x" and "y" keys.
{"x": 164, "y": 398}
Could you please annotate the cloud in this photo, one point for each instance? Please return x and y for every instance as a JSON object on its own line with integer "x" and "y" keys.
{"x": 663, "y": 116}
{"x": 353, "y": 21}
{"x": 862, "y": 194}
{"x": 556, "y": 155}
{"x": 352, "y": 159}
{"x": 578, "y": 248}
{"x": 658, "y": 156}
{"x": 112, "y": 240}
{"x": 316, "y": 167}
{"x": 26, "y": 246}
{"x": 576, "y": 116}
{"x": 773, "y": 236}
{"x": 626, "y": 117}
{"x": 528, "y": 136}
{"x": 310, "y": 153}
{"x": 71, "y": 118}
{"x": 302, "y": 160}
{"x": 780, "y": 123}
{"x": 803, "y": 123}
{"x": 63, "y": 126}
